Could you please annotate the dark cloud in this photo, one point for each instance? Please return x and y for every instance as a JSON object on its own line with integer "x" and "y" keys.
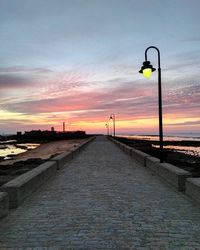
{"x": 8, "y": 81}
{"x": 127, "y": 99}
{"x": 21, "y": 69}
{"x": 20, "y": 77}
{"x": 130, "y": 99}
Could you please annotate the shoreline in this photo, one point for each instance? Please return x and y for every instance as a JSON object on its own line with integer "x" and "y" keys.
{"x": 44, "y": 150}
{"x": 9, "y": 169}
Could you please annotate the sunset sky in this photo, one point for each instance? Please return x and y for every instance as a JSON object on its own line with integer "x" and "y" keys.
{"x": 77, "y": 61}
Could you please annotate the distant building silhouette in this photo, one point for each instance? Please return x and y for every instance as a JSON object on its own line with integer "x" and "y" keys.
{"x": 19, "y": 133}
{"x": 46, "y": 135}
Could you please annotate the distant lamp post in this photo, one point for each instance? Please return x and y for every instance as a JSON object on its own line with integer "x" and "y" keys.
{"x": 112, "y": 117}
{"x": 107, "y": 126}
{"x": 147, "y": 70}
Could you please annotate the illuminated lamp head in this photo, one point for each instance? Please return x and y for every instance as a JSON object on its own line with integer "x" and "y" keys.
{"x": 147, "y": 69}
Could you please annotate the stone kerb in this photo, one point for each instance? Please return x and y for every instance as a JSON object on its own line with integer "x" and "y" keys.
{"x": 4, "y": 204}
{"x": 174, "y": 175}
{"x": 67, "y": 156}
{"x": 126, "y": 149}
{"x": 83, "y": 144}
{"x": 139, "y": 156}
{"x": 15, "y": 191}
{"x": 119, "y": 144}
{"x": 170, "y": 173}
{"x": 21, "y": 187}
{"x": 193, "y": 188}
{"x": 153, "y": 164}
{"x": 62, "y": 158}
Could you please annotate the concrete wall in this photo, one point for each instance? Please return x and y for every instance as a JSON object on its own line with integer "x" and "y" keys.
{"x": 152, "y": 163}
{"x": 14, "y": 192}
{"x": 62, "y": 159}
{"x": 4, "y": 204}
{"x": 22, "y": 186}
{"x": 193, "y": 188}
{"x": 67, "y": 156}
{"x": 173, "y": 175}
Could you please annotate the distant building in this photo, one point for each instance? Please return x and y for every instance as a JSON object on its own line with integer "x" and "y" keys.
{"x": 63, "y": 127}
{"x": 46, "y": 135}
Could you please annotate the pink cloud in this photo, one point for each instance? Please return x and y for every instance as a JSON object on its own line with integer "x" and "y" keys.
{"x": 73, "y": 93}
{"x": 130, "y": 100}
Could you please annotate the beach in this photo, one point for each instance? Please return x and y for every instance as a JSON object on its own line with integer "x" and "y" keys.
{"x": 30, "y": 159}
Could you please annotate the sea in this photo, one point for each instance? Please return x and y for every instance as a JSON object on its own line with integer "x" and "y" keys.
{"x": 10, "y": 148}
{"x": 190, "y": 149}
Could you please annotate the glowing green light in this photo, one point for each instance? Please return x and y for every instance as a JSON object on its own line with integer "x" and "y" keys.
{"x": 147, "y": 72}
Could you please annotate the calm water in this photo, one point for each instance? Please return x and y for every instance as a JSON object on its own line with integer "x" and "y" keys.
{"x": 183, "y": 149}
{"x": 7, "y": 148}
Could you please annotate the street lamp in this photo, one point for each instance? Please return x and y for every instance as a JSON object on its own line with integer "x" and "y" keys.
{"x": 112, "y": 117}
{"x": 107, "y": 126}
{"x": 147, "y": 70}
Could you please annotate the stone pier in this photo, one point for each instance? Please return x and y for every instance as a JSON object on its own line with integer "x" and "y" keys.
{"x": 103, "y": 199}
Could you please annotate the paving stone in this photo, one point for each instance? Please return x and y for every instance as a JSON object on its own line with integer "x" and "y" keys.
{"x": 103, "y": 199}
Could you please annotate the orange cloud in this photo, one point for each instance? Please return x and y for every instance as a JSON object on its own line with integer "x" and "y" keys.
{"x": 71, "y": 97}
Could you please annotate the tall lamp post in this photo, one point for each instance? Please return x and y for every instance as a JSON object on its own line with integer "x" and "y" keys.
{"x": 112, "y": 117}
{"x": 107, "y": 126}
{"x": 147, "y": 70}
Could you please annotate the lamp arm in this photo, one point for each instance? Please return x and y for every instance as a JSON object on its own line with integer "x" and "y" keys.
{"x": 153, "y": 47}
{"x": 112, "y": 115}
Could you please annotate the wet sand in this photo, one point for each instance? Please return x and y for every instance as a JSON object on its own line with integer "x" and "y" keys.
{"x": 30, "y": 159}
{"x": 45, "y": 150}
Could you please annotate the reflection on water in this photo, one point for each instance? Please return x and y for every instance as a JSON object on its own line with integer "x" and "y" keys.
{"x": 190, "y": 150}
{"x": 182, "y": 149}
{"x": 165, "y": 138}
{"x": 7, "y": 150}
{"x": 28, "y": 145}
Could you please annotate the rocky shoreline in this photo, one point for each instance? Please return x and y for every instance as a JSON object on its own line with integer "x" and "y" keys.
{"x": 188, "y": 162}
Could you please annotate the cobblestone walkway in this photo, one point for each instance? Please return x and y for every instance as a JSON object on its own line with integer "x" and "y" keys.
{"x": 103, "y": 200}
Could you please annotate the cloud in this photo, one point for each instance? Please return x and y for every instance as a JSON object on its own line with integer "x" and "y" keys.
{"x": 22, "y": 69}
{"x": 192, "y": 39}
{"x": 42, "y": 81}
{"x": 183, "y": 95}
{"x": 8, "y": 81}
{"x": 70, "y": 95}
{"x": 21, "y": 77}
{"x": 184, "y": 61}
{"x": 124, "y": 98}
{"x": 184, "y": 123}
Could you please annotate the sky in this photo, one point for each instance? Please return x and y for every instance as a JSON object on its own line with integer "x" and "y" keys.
{"x": 77, "y": 61}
